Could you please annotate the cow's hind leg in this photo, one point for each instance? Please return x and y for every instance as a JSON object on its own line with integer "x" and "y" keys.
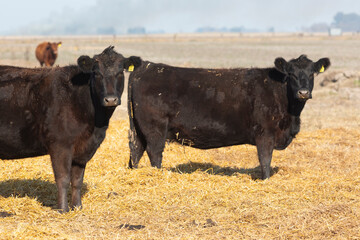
{"x": 154, "y": 150}
{"x": 265, "y": 147}
{"x": 156, "y": 143}
{"x": 137, "y": 147}
{"x": 77, "y": 177}
{"x": 61, "y": 163}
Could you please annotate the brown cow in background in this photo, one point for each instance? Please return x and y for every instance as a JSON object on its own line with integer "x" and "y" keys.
{"x": 47, "y": 52}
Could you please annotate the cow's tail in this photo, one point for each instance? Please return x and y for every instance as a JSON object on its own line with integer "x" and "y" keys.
{"x": 137, "y": 141}
{"x": 132, "y": 130}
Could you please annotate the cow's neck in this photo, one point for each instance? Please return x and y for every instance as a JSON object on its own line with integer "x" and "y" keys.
{"x": 295, "y": 106}
{"x": 102, "y": 114}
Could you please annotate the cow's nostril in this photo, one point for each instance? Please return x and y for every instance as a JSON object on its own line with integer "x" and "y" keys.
{"x": 303, "y": 94}
{"x": 111, "y": 101}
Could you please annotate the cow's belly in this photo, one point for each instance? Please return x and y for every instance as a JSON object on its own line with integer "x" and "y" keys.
{"x": 213, "y": 135}
{"x": 19, "y": 142}
{"x": 200, "y": 129}
{"x": 21, "y": 153}
{"x": 208, "y": 144}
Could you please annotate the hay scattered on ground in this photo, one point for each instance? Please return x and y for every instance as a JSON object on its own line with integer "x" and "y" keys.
{"x": 215, "y": 194}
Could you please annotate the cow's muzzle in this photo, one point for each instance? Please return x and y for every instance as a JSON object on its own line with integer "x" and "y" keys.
{"x": 111, "y": 101}
{"x": 303, "y": 95}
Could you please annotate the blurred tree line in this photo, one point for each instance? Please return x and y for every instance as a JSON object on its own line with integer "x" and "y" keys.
{"x": 347, "y": 22}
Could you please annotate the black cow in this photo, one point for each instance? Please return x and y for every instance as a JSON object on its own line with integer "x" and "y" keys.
{"x": 63, "y": 112}
{"x": 211, "y": 108}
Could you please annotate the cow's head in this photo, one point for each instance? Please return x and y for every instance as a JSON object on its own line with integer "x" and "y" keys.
{"x": 299, "y": 74}
{"x": 53, "y": 47}
{"x": 107, "y": 74}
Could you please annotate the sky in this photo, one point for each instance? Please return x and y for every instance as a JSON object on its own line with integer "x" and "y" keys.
{"x": 20, "y": 13}
{"x": 88, "y": 16}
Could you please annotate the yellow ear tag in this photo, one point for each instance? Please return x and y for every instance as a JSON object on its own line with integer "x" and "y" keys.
{"x": 131, "y": 68}
{"x": 322, "y": 69}
{"x": 59, "y": 45}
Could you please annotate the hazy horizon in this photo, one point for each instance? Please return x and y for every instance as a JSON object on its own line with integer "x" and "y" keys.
{"x": 117, "y": 16}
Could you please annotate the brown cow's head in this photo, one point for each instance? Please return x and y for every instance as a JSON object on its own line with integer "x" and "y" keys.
{"x": 299, "y": 74}
{"x": 107, "y": 74}
{"x": 53, "y": 47}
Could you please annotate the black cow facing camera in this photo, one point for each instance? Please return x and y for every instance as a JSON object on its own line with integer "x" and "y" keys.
{"x": 63, "y": 111}
{"x": 211, "y": 108}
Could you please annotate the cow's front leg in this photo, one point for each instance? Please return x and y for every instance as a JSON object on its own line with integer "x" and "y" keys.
{"x": 265, "y": 147}
{"x": 61, "y": 162}
{"x": 77, "y": 177}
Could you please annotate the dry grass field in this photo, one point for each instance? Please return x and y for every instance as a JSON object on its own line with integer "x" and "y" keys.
{"x": 314, "y": 192}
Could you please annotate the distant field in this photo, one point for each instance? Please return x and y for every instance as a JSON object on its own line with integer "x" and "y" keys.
{"x": 204, "y": 50}
{"x": 314, "y": 192}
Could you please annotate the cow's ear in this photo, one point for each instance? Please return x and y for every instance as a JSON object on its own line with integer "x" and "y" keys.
{"x": 321, "y": 65}
{"x": 132, "y": 63}
{"x": 281, "y": 65}
{"x": 85, "y": 64}
{"x": 59, "y": 44}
